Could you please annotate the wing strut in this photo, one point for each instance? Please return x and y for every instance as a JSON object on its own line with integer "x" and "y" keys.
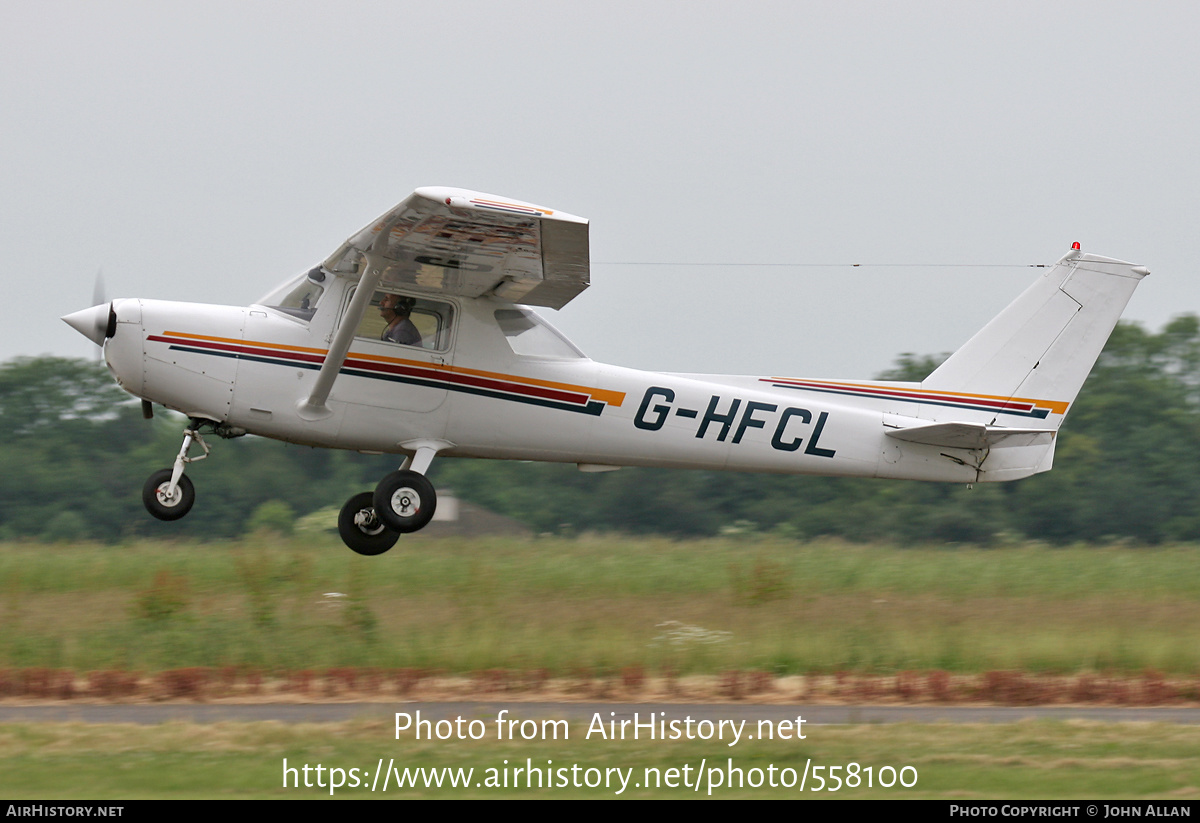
{"x": 372, "y": 265}
{"x": 313, "y": 407}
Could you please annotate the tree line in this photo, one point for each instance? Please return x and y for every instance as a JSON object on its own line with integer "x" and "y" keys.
{"x": 75, "y": 452}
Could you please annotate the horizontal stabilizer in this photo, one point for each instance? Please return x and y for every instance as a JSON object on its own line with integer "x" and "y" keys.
{"x": 964, "y": 435}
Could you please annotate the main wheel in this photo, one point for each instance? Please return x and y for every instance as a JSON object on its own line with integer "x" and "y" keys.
{"x": 361, "y": 530}
{"x": 162, "y": 505}
{"x": 405, "y": 501}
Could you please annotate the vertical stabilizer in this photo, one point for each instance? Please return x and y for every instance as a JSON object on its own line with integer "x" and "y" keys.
{"x": 1035, "y": 355}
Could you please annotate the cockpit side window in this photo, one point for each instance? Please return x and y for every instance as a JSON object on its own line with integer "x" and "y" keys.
{"x": 407, "y": 321}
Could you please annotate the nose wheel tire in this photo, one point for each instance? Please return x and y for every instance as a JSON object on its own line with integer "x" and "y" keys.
{"x": 361, "y": 529}
{"x": 165, "y": 506}
{"x": 405, "y": 501}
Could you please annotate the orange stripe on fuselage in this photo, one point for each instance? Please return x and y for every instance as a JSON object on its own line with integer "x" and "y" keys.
{"x": 612, "y": 398}
{"x": 1056, "y": 406}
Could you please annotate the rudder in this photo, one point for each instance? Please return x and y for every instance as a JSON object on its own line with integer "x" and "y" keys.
{"x": 1028, "y": 364}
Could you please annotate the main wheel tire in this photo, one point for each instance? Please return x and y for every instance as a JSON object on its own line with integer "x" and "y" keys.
{"x": 156, "y": 501}
{"x": 361, "y": 529}
{"x": 405, "y": 501}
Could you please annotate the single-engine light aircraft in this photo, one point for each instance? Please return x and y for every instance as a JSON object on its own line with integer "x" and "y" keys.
{"x": 414, "y": 338}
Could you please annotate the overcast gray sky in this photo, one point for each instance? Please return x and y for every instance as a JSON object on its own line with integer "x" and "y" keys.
{"x": 207, "y": 151}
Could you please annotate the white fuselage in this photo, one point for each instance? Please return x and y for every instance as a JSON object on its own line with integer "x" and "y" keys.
{"x": 251, "y": 368}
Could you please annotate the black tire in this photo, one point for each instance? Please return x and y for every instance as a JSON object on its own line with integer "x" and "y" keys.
{"x": 177, "y": 506}
{"x": 405, "y": 501}
{"x": 365, "y": 535}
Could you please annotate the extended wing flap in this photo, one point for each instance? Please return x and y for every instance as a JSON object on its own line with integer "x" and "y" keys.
{"x": 964, "y": 435}
{"x": 471, "y": 244}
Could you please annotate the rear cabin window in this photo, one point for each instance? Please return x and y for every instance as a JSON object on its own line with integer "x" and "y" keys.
{"x": 531, "y": 336}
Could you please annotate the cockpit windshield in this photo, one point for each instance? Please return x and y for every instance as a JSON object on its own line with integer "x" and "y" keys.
{"x": 297, "y": 297}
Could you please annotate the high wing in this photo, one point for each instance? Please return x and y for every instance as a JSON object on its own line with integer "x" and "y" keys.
{"x": 470, "y": 244}
{"x": 454, "y": 241}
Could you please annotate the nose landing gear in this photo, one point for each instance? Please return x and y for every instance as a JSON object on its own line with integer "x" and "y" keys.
{"x": 168, "y": 494}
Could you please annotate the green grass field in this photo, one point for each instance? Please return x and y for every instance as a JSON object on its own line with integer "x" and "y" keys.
{"x": 1084, "y": 760}
{"x": 601, "y": 604}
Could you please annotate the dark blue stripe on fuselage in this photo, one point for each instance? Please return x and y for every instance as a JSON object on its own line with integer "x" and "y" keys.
{"x": 1040, "y": 414}
{"x": 593, "y": 407}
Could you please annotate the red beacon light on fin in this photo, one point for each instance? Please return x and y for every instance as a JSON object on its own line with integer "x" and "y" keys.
{"x": 1075, "y": 246}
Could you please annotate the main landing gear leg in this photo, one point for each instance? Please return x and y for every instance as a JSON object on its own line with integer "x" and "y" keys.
{"x": 168, "y": 493}
{"x": 404, "y": 500}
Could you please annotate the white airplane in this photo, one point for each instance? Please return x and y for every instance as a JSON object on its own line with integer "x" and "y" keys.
{"x": 413, "y": 339}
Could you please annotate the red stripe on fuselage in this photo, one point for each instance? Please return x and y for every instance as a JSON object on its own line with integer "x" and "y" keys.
{"x": 906, "y": 395}
{"x": 431, "y": 373}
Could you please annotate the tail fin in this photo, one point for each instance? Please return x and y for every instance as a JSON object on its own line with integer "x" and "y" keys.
{"x": 1027, "y": 365}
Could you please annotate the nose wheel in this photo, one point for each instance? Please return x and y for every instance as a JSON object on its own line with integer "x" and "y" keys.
{"x": 404, "y": 501}
{"x": 361, "y": 529}
{"x": 166, "y": 500}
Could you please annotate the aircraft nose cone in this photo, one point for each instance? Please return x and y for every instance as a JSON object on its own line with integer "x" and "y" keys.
{"x": 91, "y": 323}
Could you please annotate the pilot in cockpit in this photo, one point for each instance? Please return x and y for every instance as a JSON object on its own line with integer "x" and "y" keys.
{"x": 395, "y": 311}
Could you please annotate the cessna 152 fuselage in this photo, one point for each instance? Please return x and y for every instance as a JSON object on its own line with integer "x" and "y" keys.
{"x": 414, "y": 338}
